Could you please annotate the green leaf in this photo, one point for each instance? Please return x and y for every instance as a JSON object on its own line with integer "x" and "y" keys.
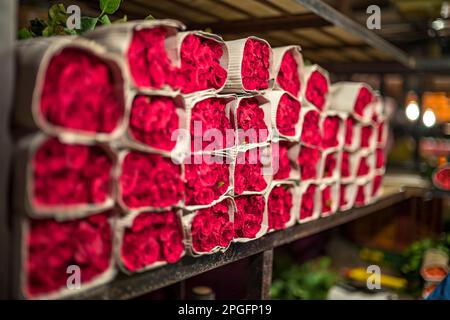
{"x": 47, "y": 32}
{"x": 105, "y": 20}
{"x": 87, "y": 24}
{"x": 68, "y": 31}
{"x": 37, "y": 26}
{"x": 149, "y": 17}
{"x": 220, "y": 183}
{"x": 24, "y": 33}
{"x": 57, "y": 13}
{"x": 109, "y": 6}
{"x": 123, "y": 19}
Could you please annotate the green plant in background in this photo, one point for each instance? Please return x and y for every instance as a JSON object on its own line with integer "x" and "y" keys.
{"x": 311, "y": 280}
{"x": 57, "y": 19}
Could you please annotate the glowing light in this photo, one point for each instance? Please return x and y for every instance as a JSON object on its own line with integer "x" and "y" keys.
{"x": 412, "y": 111}
{"x": 429, "y": 119}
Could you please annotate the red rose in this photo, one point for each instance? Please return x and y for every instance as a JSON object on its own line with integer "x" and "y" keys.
{"x": 360, "y": 196}
{"x": 153, "y": 120}
{"x": 317, "y": 90}
{"x": 288, "y": 77}
{"x": 153, "y": 237}
{"x": 150, "y": 180}
{"x": 250, "y": 119}
{"x": 363, "y": 167}
{"x": 364, "y": 98}
{"x": 70, "y": 174}
{"x": 376, "y": 185}
{"x": 200, "y": 65}
{"x": 248, "y": 172}
{"x": 379, "y": 158}
{"x": 366, "y": 134}
{"x": 248, "y": 216}
{"x": 330, "y": 165}
{"x": 308, "y": 202}
{"x": 331, "y": 126}
{"x": 148, "y": 60}
{"x": 349, "y": 124}
{"x": 311, "y": 131}
{"x": 308, "y": 160}
{"x": 327, "y": 200}
{"x": 53, "y": 246}
{"x": 288, "y": 114}
{"x": 81, "y": 93}
{"x": 209, "y": 115}
{"x": 211, "y": 227}
{"x": 345, "y": 164}
{"x": 255, "y": 65}
{"x": 280, "y": 161}
{"x": 279, "y": 207}
{"x": 206, "y": 181}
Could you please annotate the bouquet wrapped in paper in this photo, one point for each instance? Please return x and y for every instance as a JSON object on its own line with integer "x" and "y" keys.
{"x": 309, "y": 198}
{"x": 288, "y": 69}
{"x": 354, "y": 98}
{"x": 250, "y": 218}
{"x": 329, "y": 198}
{"x": 284, "y": 160}
{"x": 282, "y": 205}
{"x": 317, "y": 87}
{"x": 347, "y": 195}
{"x": 70, "y": 87}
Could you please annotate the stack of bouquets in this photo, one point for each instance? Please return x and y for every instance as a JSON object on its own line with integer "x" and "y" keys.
{"x": 72, "y": 92}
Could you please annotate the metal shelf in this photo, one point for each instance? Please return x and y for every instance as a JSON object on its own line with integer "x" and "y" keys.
{"x": 126, "y": 287}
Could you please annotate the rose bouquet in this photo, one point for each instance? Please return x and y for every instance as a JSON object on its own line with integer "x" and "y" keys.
{"x": 149, "y": 48}
{"x": 309, "y": 202}
{"x": 367, "y": 137}
{"x": 288, "y": 67}
{"x": 380, "y": 159}
{"x": 308, "y": 161}
{"x": 147, "y": 240}
{"x": 52, "y": 248}
{"x": 332, "y": 130}
{"x": 65, "y": 180}
{"x": 211, "y": 123}
{"x": 210, "y": 229}
{"x": 363, "y": 191}
{"x": 252, "y": 171}
{"x": 155, "y": 123}
{"x": 286, "y": 114}
{"x": 352, "y": 134}
{"x": 204, "y": 62}
{"x": 252, "y": 120}
{"x": 317, "y": 86}
{"x": 329, "y": 194}
{"x": 347, "y": 193}
{"x": 207, "y": 179}
{"x": 250, "y": 65}
{"x": 311, "y": 135}
{"x": 376, "y": 187}
{"x": 281, "y": 208}
{"x": 250, "y": 219}
{"x": 354, "y": 98}
{"x": 74, "y": 88}
{"x": 149, "y": 181}
{"x": 330, "y": 165}
{"x": 356, "y": 165}
{"x": 284, "y": 156}
{"x": 365, "y": 165}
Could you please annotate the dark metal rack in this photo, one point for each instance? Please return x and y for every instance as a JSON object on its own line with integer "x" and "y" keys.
{"x": 318, "y": 15}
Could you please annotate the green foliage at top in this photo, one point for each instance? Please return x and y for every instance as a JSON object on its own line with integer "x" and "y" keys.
{"x": 57, "y": 20}
{"x": 309, "y": 281}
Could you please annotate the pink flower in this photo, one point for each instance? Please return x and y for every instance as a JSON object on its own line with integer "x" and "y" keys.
{"x": 70, "y": 174}
{"x": 200, "y": 65}
{"x": 153, "y": 120}
{"x": 255, "y": 65}
{"x": 53, "y": 246}
{"x": 209, "y": 115}
{"x": 317, "y": 90}
{"x": 248, "y": 216}
{"x": 331, "y": 126}
{"x": 152, "y": 237}
{"x": 150, "y": 180}
{"x": 211, "y": 228}
{"x": 250, "y": 119}
{"x": 288, "y": 77}
{"x": 308, "y": 160}
{"x": 308, "y": 202}
{"x": 288, "y": 114}
{"x": 149, "y": 64}
{"x": 279, "y": 207}
{"x": 365, "y": 97}
{"x": 206, "y": 181}
{"x": 248, "y": 172}
{"x": 311, "y": 132}
{"x": 81, "y": 93}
